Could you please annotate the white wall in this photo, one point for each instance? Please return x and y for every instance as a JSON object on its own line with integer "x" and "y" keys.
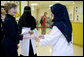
{"x": 71, "y": 10}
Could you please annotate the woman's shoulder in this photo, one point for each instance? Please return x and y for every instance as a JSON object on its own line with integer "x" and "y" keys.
{"x": 33, "y": 18}
{"x": 9, "y": 17}
{"x": 55, "y": 28}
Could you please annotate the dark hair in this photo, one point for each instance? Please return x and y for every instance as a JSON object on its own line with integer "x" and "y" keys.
{"x": 9, "y": 6}
{"x": 45, "y": 12}
{"x": 3, "y": 7}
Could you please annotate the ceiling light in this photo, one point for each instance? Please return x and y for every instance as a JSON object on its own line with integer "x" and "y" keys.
{"x": 56, "y": 1}
{"x": 73, "y": 3}
{"x": 34, "y": 4}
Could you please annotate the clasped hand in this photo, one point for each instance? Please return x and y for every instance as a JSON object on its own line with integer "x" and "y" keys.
{"x": 37, "y": 38}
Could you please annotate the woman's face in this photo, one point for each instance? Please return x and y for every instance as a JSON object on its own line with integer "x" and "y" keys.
{"x": 3, "y": 11}
{"x": 12, "y": 11}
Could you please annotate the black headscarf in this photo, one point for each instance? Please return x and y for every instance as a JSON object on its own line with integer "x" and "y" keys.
{"x": 27, "y": 20}
{"x": 62, "y": 21}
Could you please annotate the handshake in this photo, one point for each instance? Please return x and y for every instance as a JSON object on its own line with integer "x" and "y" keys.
{"x": 37, "y": 38}
{"x": 34, "y": 37}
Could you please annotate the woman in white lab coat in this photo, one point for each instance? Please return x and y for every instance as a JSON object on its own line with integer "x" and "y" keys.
{"x": 61, "y": 35}
{"x": 27, "y": 26}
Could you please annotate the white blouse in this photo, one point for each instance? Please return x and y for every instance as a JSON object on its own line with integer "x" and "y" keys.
{"x": 25, "y": 43}
{"x": 60, "y": 45}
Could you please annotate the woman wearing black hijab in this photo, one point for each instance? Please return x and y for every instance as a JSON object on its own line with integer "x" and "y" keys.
{"x": 61, "y": 35}
{"x": 27, "y": 26}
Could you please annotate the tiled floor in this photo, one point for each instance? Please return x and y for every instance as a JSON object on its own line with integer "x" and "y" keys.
{"x": 78, "y": 51}
{"x": 46, "y": 51}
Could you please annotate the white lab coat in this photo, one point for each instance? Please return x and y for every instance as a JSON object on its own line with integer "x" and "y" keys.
{"x": 60, "y": 45}
{"x": 25, "y": 43}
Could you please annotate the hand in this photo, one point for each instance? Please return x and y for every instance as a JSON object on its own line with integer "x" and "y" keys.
{"x": 33, "y": 37}
{"x": 38, "y": 39}
{"x": 18, "y": 46}
{"x": 41, "y": 36}
{"x": 26, "y": 37}
{"x": 31, "y": 32}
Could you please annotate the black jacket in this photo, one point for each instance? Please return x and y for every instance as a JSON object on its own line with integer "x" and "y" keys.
{"x": 10, "y": 29}
{"x": 0, "y": 31}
